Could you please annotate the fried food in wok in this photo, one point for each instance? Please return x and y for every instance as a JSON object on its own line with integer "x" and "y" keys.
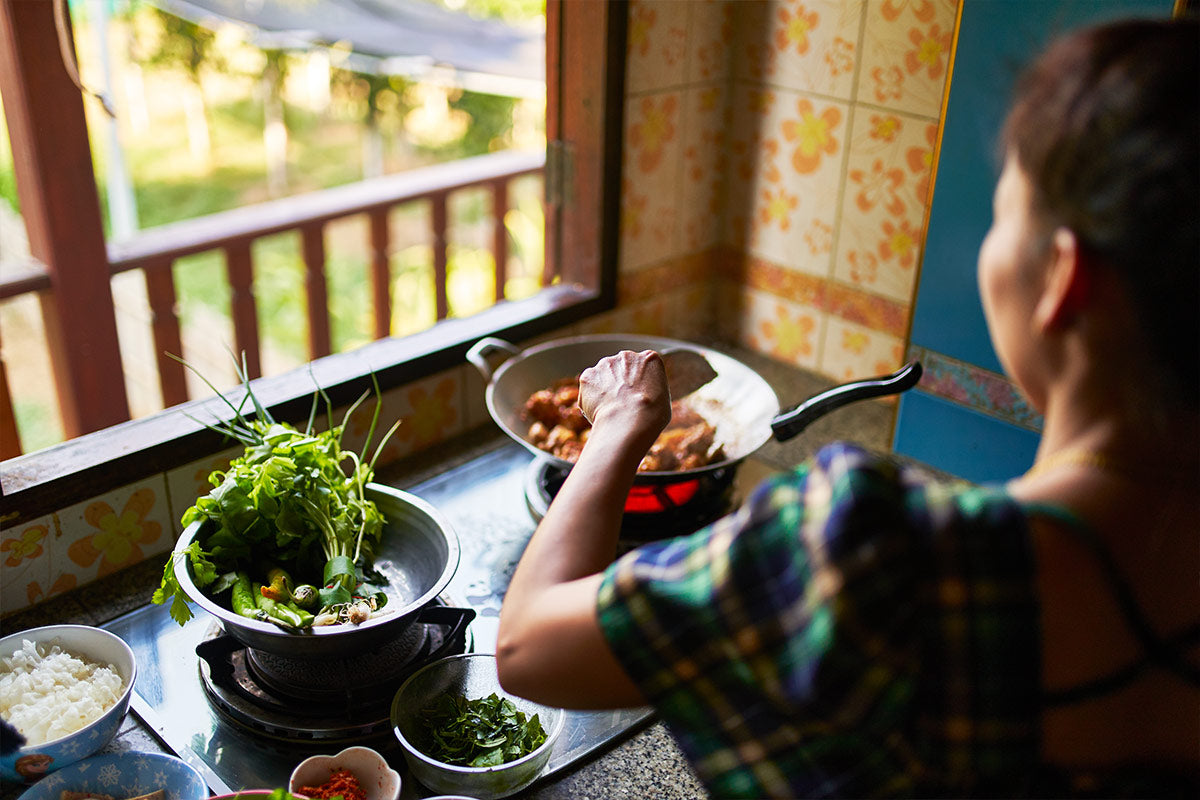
{"x": 557, "y": 425}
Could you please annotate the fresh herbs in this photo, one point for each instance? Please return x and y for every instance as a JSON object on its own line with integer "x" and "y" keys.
{"x": 484, "y": 732}
{"x": 293, "y": 498}
{"x": 279, "y": 793}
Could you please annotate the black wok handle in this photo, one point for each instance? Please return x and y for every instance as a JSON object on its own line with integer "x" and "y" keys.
{"x": 791, "y": 422}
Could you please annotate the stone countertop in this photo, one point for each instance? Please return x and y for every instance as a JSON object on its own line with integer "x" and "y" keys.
{"x": 647, "y": 763}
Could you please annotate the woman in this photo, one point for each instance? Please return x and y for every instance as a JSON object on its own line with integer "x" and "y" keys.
{"x": 854, "y": 631}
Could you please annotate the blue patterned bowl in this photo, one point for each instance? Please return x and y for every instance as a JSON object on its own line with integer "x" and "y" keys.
{"x": 31, "y": 762}
{"x": 121, "y": 775}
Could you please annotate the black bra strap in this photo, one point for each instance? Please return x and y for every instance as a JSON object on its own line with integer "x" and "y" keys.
{"x": 1098, "y": 687}
{"x": 1167, "y": 653}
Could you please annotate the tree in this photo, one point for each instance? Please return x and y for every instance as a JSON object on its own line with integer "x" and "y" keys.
{"x": 379, "y": 101}
{"x": 275, "y": 133}
{"x": 187, "y": 47}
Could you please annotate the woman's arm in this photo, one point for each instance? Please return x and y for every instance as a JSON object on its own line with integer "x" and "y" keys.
{"x": 550, "y": 647}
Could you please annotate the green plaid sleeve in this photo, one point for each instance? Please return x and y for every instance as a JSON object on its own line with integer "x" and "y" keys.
{"x": 784, "y": 644}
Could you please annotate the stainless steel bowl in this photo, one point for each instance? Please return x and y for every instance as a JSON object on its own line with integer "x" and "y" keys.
{"x": 419, "y": 553}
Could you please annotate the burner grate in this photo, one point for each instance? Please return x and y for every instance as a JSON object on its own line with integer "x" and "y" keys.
{"x": 330, "y": 700}
{"x": 333, "y": 680}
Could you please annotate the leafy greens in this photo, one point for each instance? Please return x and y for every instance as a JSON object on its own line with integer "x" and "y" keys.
{"x": 287, "y": 500}
{"x": 484, "y": 732}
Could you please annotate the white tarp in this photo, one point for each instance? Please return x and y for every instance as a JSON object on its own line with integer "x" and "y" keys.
{"x": 413, "y": 38}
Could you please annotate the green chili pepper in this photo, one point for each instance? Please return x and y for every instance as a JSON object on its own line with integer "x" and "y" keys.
{"x": 275, "y": 612}
{"x": 242, "y": 597}
{"x": 306, "y": 617}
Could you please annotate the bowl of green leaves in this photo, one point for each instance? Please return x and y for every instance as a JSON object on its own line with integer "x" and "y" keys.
{"x": 296, "y": 549}
{"x": 461, "y": 734}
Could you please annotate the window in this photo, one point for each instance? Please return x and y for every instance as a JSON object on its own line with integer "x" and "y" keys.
{"x": 583, "y": 176}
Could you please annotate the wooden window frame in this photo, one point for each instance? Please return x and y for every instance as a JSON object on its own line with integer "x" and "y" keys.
{"x": 584, "y": 126}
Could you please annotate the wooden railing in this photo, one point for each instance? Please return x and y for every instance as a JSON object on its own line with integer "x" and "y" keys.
{"x": 155, "y": 251}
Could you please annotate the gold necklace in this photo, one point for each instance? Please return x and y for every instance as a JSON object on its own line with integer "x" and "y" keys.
{"x": 1079, "y": 458}
{"x": 1096, "y": 460}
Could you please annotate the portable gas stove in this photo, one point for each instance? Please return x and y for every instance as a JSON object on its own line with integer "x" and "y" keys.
{"x": 244, "y": 719}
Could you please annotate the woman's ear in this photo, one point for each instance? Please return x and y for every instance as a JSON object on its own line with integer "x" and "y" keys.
{"x": 1067, "y": 284}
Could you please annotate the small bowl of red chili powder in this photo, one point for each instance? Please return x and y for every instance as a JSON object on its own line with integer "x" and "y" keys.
{"x": 356, "y": 773}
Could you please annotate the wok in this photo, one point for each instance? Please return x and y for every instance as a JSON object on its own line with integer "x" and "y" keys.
{"x": 739, "y": 403}
{"x": 418, "y": 553}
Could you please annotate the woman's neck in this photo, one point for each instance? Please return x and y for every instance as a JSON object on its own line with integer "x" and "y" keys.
{"x": 1116, "y": 409}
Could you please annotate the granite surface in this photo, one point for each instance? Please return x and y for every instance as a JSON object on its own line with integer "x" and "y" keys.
{"x": 646, "y": 764}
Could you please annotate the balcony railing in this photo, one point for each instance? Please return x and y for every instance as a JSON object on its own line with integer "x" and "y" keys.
{"x": 155, "y": 251}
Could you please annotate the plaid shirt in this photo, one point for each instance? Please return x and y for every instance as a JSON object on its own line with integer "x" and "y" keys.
{"x": 850, "y": 631}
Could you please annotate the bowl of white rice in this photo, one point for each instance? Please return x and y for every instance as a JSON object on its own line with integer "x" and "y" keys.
{"x": 65, "y": 689}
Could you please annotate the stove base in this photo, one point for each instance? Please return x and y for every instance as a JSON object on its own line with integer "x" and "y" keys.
{"x": 330, "y": 700}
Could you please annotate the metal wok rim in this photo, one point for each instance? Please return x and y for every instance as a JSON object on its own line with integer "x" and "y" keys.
{"x": 727, "y": 417}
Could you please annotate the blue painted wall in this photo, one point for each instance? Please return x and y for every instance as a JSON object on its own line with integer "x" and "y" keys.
{"x": 961, "y": 441}
{"x": 995, "y": 38}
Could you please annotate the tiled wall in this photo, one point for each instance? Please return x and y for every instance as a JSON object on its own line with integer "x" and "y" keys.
{"x": 786, "y": 145}
{"x": 776, "y": 162}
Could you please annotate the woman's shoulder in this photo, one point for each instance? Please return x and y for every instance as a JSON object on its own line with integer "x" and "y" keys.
{"x": 847, "y": 487}
{"x": 885, "y": 531}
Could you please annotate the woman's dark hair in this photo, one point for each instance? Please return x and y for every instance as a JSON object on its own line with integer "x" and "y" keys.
{"x": 1106, "y": 124}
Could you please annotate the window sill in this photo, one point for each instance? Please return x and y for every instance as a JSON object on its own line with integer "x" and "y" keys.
{"x": 41, "y": 482}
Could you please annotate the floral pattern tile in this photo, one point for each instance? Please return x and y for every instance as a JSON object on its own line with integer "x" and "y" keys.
{"x": 786, "y": 331}
{"x": 808, "y": 45}
{"x": 25, "y": 564}
{"x": 650, "y": 184}
{"x": 186, "y": 483}
{"x": 852, "y": 351}
{"x": 656, "y": 46}
{"x": 83, "y": 542}
{"x": 883, "y": 207}
{"x": 869, "y": 310}
{"x": 820, "y": 165}
{"x": 430, "y": 410}
{"x": 906, "y": 55}
{"x": 704, "y": 148}
{"x": 118, "y": 529}
{"x": 693, "y": 308}
{"x": 710, "y": 40}
{"x": 789, "y": 150}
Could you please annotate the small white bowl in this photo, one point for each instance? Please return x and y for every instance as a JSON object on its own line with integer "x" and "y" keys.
{"x": 379, "y": 781}
{"x": 31, "y": 762}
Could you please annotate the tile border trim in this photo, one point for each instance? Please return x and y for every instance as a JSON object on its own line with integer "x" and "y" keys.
{"x": 982, "y": 390}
